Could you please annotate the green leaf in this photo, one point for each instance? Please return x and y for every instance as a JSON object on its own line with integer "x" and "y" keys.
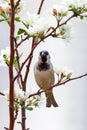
{"x": 5, "y": 17}
{"x": 81, "y": 17}
{"x": 26, "y": 25}
{"x": 28, "y": 108}
{"x": 17, "y": 19}
{"x": 15, "y": 63}
{"x": 5, "y": 56}
{"x": 6, "y": 0}
{"x": 1, "y": 20}
{"x": 6, "y": 59}
{"x": 2, "y": 14}
{"x": 17, "y": 37}
{"x": 22, "y": 31}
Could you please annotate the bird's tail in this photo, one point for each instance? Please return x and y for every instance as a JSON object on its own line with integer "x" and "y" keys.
{"x": 50, "y": 100}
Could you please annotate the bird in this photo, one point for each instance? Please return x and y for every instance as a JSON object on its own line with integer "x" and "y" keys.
{"x": 44, "y": 76}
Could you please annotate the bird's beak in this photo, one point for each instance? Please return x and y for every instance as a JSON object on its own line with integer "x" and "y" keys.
{"x": 43, "y": 57}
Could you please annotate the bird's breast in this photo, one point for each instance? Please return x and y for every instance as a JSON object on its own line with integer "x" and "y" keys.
{"x": 44, "y": 78}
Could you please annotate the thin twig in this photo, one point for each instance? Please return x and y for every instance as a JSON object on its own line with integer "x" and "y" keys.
{"x": 56, "y": 85}
{"x": 29, "y": 56}
{"x": 17, "y": 4}
{"x": 2, "y": 94}
{"x": 16, "y": 114}
{"x": 6, "y": 128}
{"x": 59, "y": 25}
{"x": 26, "y": 60}
{"x": 40, "y": 7}
{"x": 18, "y": 58}
{"x": 22, "y": 40}
{"x": 29, "y": 63}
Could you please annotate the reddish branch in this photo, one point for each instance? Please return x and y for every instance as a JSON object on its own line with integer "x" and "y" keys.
{"x": 29, "y": 57}
{"x": 23, "y": 112}
{"x": 22, "y": 40}
{"x": 57, "y": 84}
{"x": 59, "y": 25}
{"x": 40, "y": 7}
{"x": 2, "y": 94}
{"x": 17, "y": 4}
{"x": 11, "y": 75}
{"x": 19, "y": 79}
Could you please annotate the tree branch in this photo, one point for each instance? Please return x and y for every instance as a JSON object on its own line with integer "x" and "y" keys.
{"x": 17, "y": 4}
{"x": 59, "y": 25}
{"x": 40, "y": 7}
{"x": 11, "y": 74}
{"x": 22, "y": 40}
{"x": 2, "y": 94}
{"x": 6, "y": 128}
{"x": 26, "y": 60}
{"x": 19, "y": 78}
{"x": 56, "y": 85}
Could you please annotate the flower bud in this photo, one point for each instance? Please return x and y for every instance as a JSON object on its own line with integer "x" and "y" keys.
{"x": 54, "y": 11}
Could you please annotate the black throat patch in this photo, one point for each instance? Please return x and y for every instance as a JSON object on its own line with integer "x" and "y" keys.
{"x": 43, "y": 66}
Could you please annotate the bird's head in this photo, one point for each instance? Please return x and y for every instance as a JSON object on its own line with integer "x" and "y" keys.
{"x": 44, "y": 56}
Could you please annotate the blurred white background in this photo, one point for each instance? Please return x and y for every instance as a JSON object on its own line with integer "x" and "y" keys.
{"x": 72, "y": 111}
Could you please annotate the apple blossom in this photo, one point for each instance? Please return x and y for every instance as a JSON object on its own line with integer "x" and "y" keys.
{"x": 65, "y": 32}
{"x": 77, "y": 6}
{"x": 31, "y": 19}
{"x": 6, "y": 6}
{"x": 59, "y": 11}
{"x": 38, "y": 26}
{"x": 6, "y": 93}
{"x": 64, "y": 74}
{"x": 18, "y": 94}
{"x": 21, "y": 96}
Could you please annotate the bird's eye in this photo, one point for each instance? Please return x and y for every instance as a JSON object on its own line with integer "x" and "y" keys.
{"x": 46, "y": 53}
{"x": 40, "y": 53}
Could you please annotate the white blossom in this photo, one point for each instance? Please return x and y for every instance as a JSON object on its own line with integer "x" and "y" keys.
{"x": 64, "y": 73}
{"x": 5, "y": 56}
{"x": 31, "y": 19}
{"x": 22, "y": 96}
{"x": 64, "y": 32}
{"x": 6, "y": 92}
{"x": 39, "y": 28}
{"x": 77, "y": 6}
{"x": 84, "y": 14}
{"x": 38, "y": 25}
{"x": 18, "y": 94}
{"x": 5, "y": 8}
{"x": 2, "y": 62}
{"x": 59, "y": 11}
{"x": 76, "y": 3}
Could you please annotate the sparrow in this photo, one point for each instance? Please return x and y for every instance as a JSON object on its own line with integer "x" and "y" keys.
{"x": 44, "y": 76}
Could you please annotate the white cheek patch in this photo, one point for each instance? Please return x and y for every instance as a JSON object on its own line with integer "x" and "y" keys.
{"x": 48, "y": 58}
{"x": 39, "y": 58}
